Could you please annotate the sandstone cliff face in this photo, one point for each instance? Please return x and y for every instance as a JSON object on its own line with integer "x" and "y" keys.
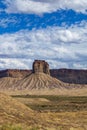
{"x": 70, "y": 75}
{"x": 41, "y": 66}
{"x": 14, "y": 73}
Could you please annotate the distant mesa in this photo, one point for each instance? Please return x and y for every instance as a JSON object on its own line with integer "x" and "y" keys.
{"x": 72, "y": 76}
{"x": 40, "y": 78}
{"x": 41, "y": 66}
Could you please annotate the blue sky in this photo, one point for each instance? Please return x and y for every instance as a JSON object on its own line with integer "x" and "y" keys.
{"x": 55, "y": 31}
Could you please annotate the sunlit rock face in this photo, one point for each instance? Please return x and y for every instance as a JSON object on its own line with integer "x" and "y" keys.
{"x": 41, "y": 66}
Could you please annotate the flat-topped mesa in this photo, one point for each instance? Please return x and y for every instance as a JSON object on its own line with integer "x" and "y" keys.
{"x": 41, "y": 66}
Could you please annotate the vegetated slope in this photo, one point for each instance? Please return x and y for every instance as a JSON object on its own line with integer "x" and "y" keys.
{"x": 12, "y": 111}
{"x": 38, "y": 81}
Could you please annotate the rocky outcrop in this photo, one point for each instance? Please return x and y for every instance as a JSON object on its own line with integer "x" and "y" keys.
{"x": 41, "y": 66}
{"x": 40, "y": 79}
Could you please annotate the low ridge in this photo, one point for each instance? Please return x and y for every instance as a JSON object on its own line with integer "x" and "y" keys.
{"x": 38, "y": 81}
{"x": 12, "y": 111}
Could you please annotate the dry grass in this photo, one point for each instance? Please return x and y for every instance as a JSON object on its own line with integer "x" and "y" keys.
{"x": 56, "y": 91}
{"x": 16, "y": 116}
{"x": 66, "y": 120}
{"x": 58, "y": 112}
{"x": 12, "y": 111}
{"x": 56, "y": 121}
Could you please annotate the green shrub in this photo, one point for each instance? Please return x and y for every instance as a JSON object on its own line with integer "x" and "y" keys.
{"x": 15, "y": 127}
{"x": 10, "y": 127}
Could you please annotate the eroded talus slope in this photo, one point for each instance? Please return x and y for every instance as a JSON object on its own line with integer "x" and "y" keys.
{"x": 7, "y": 82}
{"x": 38, "y": 81}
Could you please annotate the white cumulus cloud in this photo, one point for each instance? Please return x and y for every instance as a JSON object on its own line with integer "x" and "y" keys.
{"x": 60, "y": 46}
{"x": 44, "y": 6}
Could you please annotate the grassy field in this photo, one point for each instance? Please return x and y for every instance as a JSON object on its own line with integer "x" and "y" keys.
{"x": 45, "y": 103}
{"x": 49, "y": 113}
{"x": 16, "y": 127}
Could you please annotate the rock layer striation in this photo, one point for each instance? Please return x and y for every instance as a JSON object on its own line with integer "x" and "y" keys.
{"x": 41, "y": 66}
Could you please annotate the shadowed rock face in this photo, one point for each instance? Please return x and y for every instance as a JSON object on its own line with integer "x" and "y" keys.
{"x": 41, "y": 66}
{"x": 70, "y": 75}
